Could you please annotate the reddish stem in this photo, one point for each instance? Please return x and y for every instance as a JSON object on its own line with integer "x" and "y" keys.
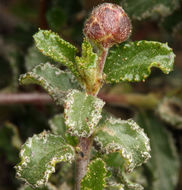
{"x": 25, "y": 98}
{"x": 102, "y": 60}
{"x": 83, "y": 158}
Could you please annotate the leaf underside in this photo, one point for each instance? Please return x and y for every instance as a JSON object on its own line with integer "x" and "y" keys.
{"x": 55, "y": 81}
{"x": 39, "y": 155}
{"x": 82, "y": 113}
{"x": 132, "y": 61}
{"x": 95, "y": 176}
{"x": 142, "y": 9}
{"x": 125, "y": 137}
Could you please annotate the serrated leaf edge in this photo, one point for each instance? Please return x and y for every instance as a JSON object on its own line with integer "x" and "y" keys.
{"x": 113, "y": 147}
{"x": 137, "y": 78}
{"x": 50, "y": 165}
{"x": 88, "y": 170}
{"x": 96, "y": 115}
{"x": 59, "y": 39}
{"x": 41, "y": 81}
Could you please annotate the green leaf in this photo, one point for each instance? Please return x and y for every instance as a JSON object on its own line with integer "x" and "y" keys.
{"x": 164, "y": 162}
{"x": 95, "y": 176}
{"x": 50, "y": 44}
{"x": 170, "y": 110}
{"x": 55, "y": 81}
{"x": 47, "y": 187}
{"x": 113, "y": 160}
{"x": 39, "y": 155}
{"x": 82, "y": 113}
{"x": 128, "y": 184}
{"x": 125, "y": 137}
{"x": 142, "y": 9}
{"x": 57, "y": 124}
{"x": 58, "y": 127}
{"x": 115, "y": 166}
{"x": 34, "y": 57}
{"x": 132, "y": 61}
{"x": 87, "y": 64}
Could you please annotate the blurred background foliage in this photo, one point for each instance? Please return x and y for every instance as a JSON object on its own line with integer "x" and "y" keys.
{"x": 155, "y": 104}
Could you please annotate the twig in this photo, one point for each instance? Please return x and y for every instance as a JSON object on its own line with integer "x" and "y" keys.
{"x": 147, "y": 101}
{"x": 25, "y": 98}
{"x": 138, "y": 100}
{"x": 83, "y": 158}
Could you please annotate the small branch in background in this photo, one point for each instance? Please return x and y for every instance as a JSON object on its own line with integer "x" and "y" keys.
{"x": 137, "y": 100}
{"x": 147, "y": 101}
{"x": 25, "y": 98}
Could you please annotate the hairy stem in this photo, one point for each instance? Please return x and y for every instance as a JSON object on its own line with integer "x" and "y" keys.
{"x": 102, "y": 59}
{"x": 83, "y": 158}
{"x": 85, "y": 144}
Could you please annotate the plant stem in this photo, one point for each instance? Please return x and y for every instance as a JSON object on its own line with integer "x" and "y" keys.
{"x": 85, "y": 144}
{"x": 83, "y": 158}
{"x": 102, "y": 59}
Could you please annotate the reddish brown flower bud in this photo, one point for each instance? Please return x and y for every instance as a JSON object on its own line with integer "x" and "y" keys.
{"x": 107, "y": 25}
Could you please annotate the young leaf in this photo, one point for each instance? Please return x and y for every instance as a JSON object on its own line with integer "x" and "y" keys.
{"x": 95, "y": 176}
{"x": 164, "y": 162}
{"x": 170, "y": 110}
{"x": 50, "y": 44}
{"x": 58, "y": 127}
{"x": 132, "y": 61}
{"x": 142, "y": 9}
{"x": 39, "y": 155}
{"x": 87, "y": 65}
{"x": 82, "y": 113}
{"x": 88, "y": 59}
{"x": 125, "y": 137}
{"x": 55, "y": 81}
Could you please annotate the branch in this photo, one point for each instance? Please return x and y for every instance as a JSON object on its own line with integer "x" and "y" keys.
{"x": 25, "y": 98}
{"x": 137, "y": 100}
{"x": 147, "y": 101}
